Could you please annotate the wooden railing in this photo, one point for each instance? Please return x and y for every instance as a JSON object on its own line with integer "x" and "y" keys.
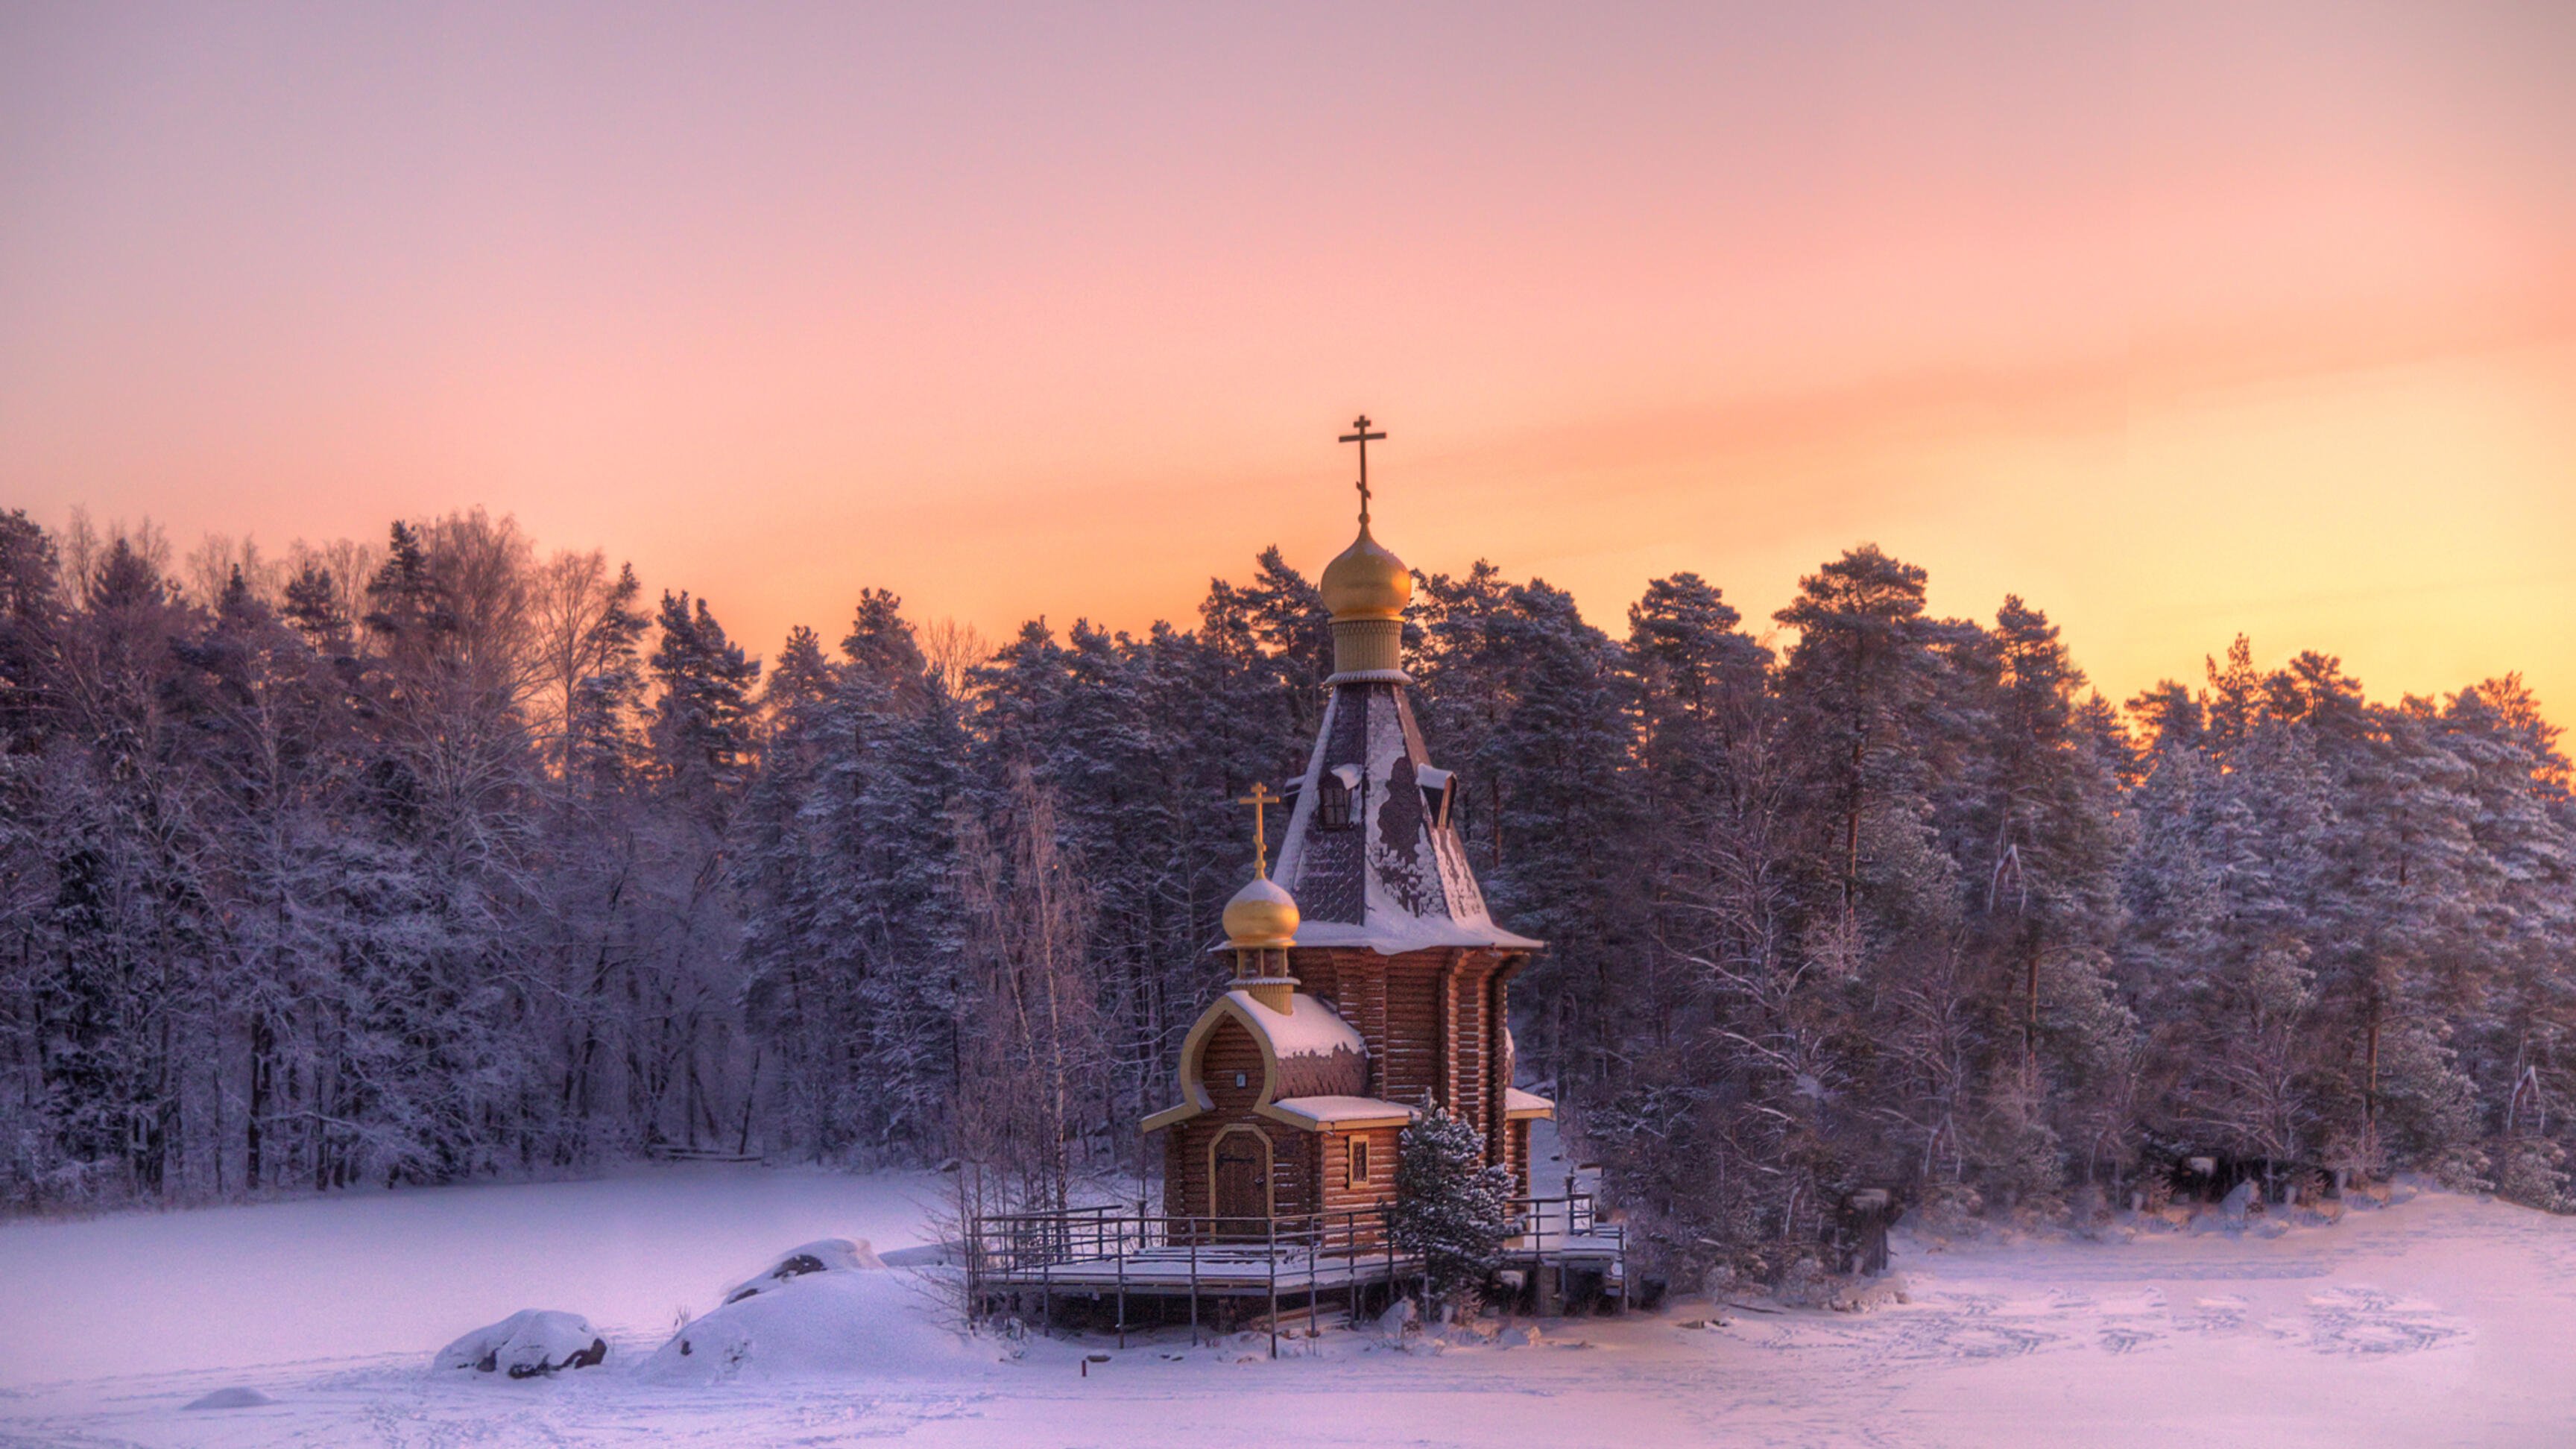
{"x": 1162, "y": 1253}
{"x": 1548, "y": 1225}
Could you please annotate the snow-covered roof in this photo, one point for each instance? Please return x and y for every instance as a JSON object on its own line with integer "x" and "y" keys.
{"x": 1309, "y": 1052}
{"x": 1308, "y": 1028}
{"x": 1393, "y": 934}
{"x": 1517, "y": 1103}
{"x": 1332, "y": 1113}
{"x": 1396, "y": 879}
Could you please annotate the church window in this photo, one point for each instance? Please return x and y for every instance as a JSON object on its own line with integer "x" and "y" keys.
{"x": 1359, "y": 1162}
{"x": 1333, "y": 805}
{"x": 1438, "y": 786}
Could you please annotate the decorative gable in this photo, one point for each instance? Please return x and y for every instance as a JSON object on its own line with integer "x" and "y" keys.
{"x": 1307, "y": 1051}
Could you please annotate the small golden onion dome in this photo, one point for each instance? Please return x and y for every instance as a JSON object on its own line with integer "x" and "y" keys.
{"x": 1367, "y": 582}
{"x": 1262, "y": 916}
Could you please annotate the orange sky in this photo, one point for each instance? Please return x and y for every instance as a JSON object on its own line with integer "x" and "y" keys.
{"x": 2176, "y": 320}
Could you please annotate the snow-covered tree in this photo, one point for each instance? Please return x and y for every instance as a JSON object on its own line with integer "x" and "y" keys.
{"x": 1450, "y": 1209}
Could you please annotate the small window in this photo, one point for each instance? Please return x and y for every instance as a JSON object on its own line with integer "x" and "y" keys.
{"x": 1333, "y": 804}
{"x": 1241, "y": 1080}
{"x": 1439, "y": 788}
{"x": 1359, "y": 1162}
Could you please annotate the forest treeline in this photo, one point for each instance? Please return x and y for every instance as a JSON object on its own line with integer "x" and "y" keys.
{"x": 446, "y": 858}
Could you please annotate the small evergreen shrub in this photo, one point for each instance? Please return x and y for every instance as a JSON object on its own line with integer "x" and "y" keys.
{"x": 1449, "y": 1207}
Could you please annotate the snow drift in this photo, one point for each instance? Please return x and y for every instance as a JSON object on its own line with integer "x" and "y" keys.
{"x": 232, "y": 1398}
{"x": 828, "y": 1307}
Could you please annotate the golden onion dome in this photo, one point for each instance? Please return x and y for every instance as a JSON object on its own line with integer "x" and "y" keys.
{"x": 1262, "y": 916}
{"x": 1366, "y": 581}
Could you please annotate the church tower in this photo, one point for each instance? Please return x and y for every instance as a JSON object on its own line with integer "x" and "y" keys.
{"x": 1370, "y": 983}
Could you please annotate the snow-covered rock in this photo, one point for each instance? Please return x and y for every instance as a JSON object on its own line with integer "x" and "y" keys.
{"x": 824, "y": 1255}
{"x": 825, "y": 1308}
{"x": 530, "y": 1343}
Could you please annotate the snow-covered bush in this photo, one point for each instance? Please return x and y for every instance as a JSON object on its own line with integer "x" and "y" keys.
{"x": 2533, "y": 1172}
{"x": 531, "y": 1343}
{"x": 1449, "y": 1207}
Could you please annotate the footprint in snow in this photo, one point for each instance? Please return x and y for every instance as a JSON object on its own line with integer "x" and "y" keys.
{"x": 2224, "y": 1313}
{"x": 2147, "y": 1300}
{"x": 1989, "y": 1341}
{"x": 1979, "y": 1336}
{"x": 2124, "y": 1339}
{"x": 2361, "y": 1320}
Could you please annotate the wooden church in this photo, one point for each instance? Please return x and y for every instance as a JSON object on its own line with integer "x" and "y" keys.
{"x": 1369, "y": 983}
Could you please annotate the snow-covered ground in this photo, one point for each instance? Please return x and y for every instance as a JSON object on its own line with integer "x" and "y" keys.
{"x": 2441, "y": 1320}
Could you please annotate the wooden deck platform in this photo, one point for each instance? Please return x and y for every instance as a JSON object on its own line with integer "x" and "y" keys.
{"x": 1109, "y": 1255}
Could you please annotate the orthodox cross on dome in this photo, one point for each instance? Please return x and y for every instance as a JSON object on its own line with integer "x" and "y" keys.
{"x": 1361, "y": 435}
{"x": 1259, "y": 800}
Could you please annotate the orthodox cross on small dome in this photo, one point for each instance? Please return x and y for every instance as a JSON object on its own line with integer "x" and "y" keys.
{"x": 1361, "y": 435}
{"x": 1259, "y": 800}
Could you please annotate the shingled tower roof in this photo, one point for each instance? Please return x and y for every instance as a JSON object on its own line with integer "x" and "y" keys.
{"x": 1371, "y": 854}
{"x": 1396, "y": 877}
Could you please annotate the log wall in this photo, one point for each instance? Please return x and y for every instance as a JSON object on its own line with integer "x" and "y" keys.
{"x": 1433, "y": 1021}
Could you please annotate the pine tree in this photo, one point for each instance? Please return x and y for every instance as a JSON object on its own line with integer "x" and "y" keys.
{"x": 31, "y": 621}
{"x": 2028, "y": 816}
{"x": 701, "y": 729}
{"x": 781, "y": 870}
{"x": 1450, "y": 1210}
{"x": 1856, "y": 683}
{"x": 1566, "y": 811}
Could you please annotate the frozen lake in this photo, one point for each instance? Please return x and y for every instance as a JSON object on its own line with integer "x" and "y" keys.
{"x": 2441, "y": 1320}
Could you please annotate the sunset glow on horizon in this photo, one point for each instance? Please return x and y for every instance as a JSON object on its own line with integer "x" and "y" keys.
{"x": 2177, "y": 321}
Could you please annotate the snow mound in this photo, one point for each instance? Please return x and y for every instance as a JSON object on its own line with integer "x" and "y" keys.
{"x": 823, "y": 1255}
{"x": 1399, "y": 1319}
{"x": 530, "y": 1343}
{"x": 849, "y": 1317}
{"x": 232, "y": 1398}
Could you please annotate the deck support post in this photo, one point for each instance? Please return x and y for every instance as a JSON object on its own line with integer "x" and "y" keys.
{"x": 1351, "y": 1227}
{"x": 1122, "y": 1275}
{"x": 1194, "y": 1283}
{"x": 1621, "y": 1267}
{"x": 1314, "y": 1276}
{"x": 1274, "y": 1286}
{"x": 1386, "y": 1230}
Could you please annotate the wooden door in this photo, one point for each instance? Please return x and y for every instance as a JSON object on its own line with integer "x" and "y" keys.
{"x": 1242, "y": 1179}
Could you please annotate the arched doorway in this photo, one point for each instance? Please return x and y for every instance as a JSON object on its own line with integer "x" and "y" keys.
{"x": 1240, "y": 1195}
